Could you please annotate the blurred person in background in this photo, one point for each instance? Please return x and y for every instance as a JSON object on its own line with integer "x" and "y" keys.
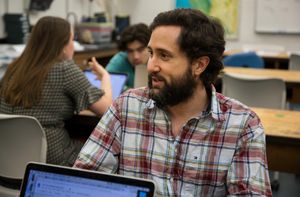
{"x": 45, "y": 83}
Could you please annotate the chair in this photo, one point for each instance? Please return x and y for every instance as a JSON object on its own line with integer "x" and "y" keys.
{"x": 248, "y": 59}
{"x": 294, "y": 63}
{"x": 22, "y": 139}
{"x": 255, "y": 91}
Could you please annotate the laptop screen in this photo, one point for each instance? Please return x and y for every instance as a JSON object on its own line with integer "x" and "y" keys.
{"x": 57, "y": 181}
{"x": 118, "y": 81}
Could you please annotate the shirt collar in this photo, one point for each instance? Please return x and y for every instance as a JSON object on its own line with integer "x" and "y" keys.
{"x": 216, "y": 112}
{"x": 215, "y": 108}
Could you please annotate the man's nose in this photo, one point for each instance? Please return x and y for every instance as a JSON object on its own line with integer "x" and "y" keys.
{"x": 152, "y": 65}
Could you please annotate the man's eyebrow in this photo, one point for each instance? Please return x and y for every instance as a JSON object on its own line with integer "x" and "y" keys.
{"x": 159, "y": 50}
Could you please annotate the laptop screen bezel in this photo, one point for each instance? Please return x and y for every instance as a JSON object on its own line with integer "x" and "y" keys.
{"x": 89, "y": 174}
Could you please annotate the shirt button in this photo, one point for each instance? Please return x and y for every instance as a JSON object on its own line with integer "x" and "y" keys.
{"x": 175, "y": 151}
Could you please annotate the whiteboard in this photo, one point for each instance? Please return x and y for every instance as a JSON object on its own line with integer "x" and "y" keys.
{"x": 277, "y": 16}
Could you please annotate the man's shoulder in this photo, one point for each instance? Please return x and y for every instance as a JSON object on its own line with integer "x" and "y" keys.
{"x": 237, "y": 115}
{"x": 134, "y": 103}
{"x": 140, "y": 94}
{"x": 231, "y": 106}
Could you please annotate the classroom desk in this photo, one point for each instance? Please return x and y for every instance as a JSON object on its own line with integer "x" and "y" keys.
{"x": 272, "y": 60}
{"x": 275, "y": 56}
{"x": 291, "y": 77}
{"x": 282, "y": 129}
{"x": 104, "y": 52}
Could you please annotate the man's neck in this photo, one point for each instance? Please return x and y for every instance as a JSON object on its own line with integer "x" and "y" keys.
{"x": 191, "y": 107}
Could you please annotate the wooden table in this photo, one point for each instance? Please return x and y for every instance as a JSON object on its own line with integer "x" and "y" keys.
{"x": 105, "y": 53}
{"x": 282, "y": 129}
{"x": 289, "y": 76}
{"x": 280, "y": 55}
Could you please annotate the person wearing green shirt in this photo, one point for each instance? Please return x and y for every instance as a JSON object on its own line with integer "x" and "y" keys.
{"x": 133, "y": 51}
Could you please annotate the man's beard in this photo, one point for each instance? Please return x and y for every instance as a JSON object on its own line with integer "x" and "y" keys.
{"x": 179, "y": 89}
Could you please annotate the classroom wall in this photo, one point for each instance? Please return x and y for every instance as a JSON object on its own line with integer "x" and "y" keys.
{"x": 59, "y": 8}
{"x": 145, "y": 11}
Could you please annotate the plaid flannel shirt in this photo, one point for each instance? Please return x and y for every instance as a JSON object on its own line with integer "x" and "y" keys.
{"x": 220, "y": 152}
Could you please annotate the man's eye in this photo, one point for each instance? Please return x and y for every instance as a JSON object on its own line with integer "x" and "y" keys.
{"x": 164, "y": 56}
{"x": 150, "y": 52}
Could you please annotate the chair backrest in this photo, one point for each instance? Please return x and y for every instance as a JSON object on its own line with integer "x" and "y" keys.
{"x": 254, "y": 91}
{"x": 140, "y": 76}
{"x": 22, "y": 139}
{"x": 294, "y": 63}
{"x": 248, "y": 59}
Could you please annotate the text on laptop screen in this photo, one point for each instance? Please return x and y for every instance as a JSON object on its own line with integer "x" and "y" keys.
{"x": 118, "y": 81}
{"x": 48, "y": 184}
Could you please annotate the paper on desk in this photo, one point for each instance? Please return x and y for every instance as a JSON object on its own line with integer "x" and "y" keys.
{"x": 19, "y": 48}
{"x": 78, "y": 46}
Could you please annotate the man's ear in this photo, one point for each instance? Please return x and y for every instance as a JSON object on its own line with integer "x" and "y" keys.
{"x": 200, "y": 64}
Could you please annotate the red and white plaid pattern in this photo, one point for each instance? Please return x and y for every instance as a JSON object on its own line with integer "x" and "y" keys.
{"x": 220, "y": 152}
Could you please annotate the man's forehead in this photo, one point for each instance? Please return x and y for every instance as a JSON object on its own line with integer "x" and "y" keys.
{"x": 165, "y": 38}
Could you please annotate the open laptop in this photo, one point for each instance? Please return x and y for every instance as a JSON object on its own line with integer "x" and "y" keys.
{"x": 118, "y": 81}
{"x": 58, "y": 181}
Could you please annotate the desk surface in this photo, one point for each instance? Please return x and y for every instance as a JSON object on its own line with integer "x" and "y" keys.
{"x": 289, "y": 76}
{"x": 280, "y": 123}
{"x": 9, "y": 52}
{"x": 273, "y": 55}
{"x": 105, "y": 51}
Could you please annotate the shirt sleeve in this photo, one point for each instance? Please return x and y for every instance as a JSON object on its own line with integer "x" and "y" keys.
{"x": 102, "y": 149}
{"x": 78, "y": 88}
{"x": 248, "y": 174}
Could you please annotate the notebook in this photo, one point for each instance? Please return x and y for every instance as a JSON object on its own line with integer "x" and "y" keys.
{"x": 118, "y": 81}
{"x": 58, "y": 181}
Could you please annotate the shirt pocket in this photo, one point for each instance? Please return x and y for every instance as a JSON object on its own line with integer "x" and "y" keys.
{"x": 206, "y": 165}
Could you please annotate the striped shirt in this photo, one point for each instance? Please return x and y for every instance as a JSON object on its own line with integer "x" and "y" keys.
{"x": 220, "y": 152}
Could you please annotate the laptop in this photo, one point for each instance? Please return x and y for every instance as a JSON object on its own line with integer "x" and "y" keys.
{"x": 118, "y": 81}
{"x": 42, "y": 179}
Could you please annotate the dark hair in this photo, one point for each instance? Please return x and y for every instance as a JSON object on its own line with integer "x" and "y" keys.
{"x": 200, "y": 36}
{"x": 138, "y": 32}
{"x": 23, "y": 81}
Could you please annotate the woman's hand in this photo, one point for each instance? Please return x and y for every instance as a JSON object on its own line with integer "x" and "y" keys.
{"x": 98, "y": 69}
{"x": 100, "y": 106}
